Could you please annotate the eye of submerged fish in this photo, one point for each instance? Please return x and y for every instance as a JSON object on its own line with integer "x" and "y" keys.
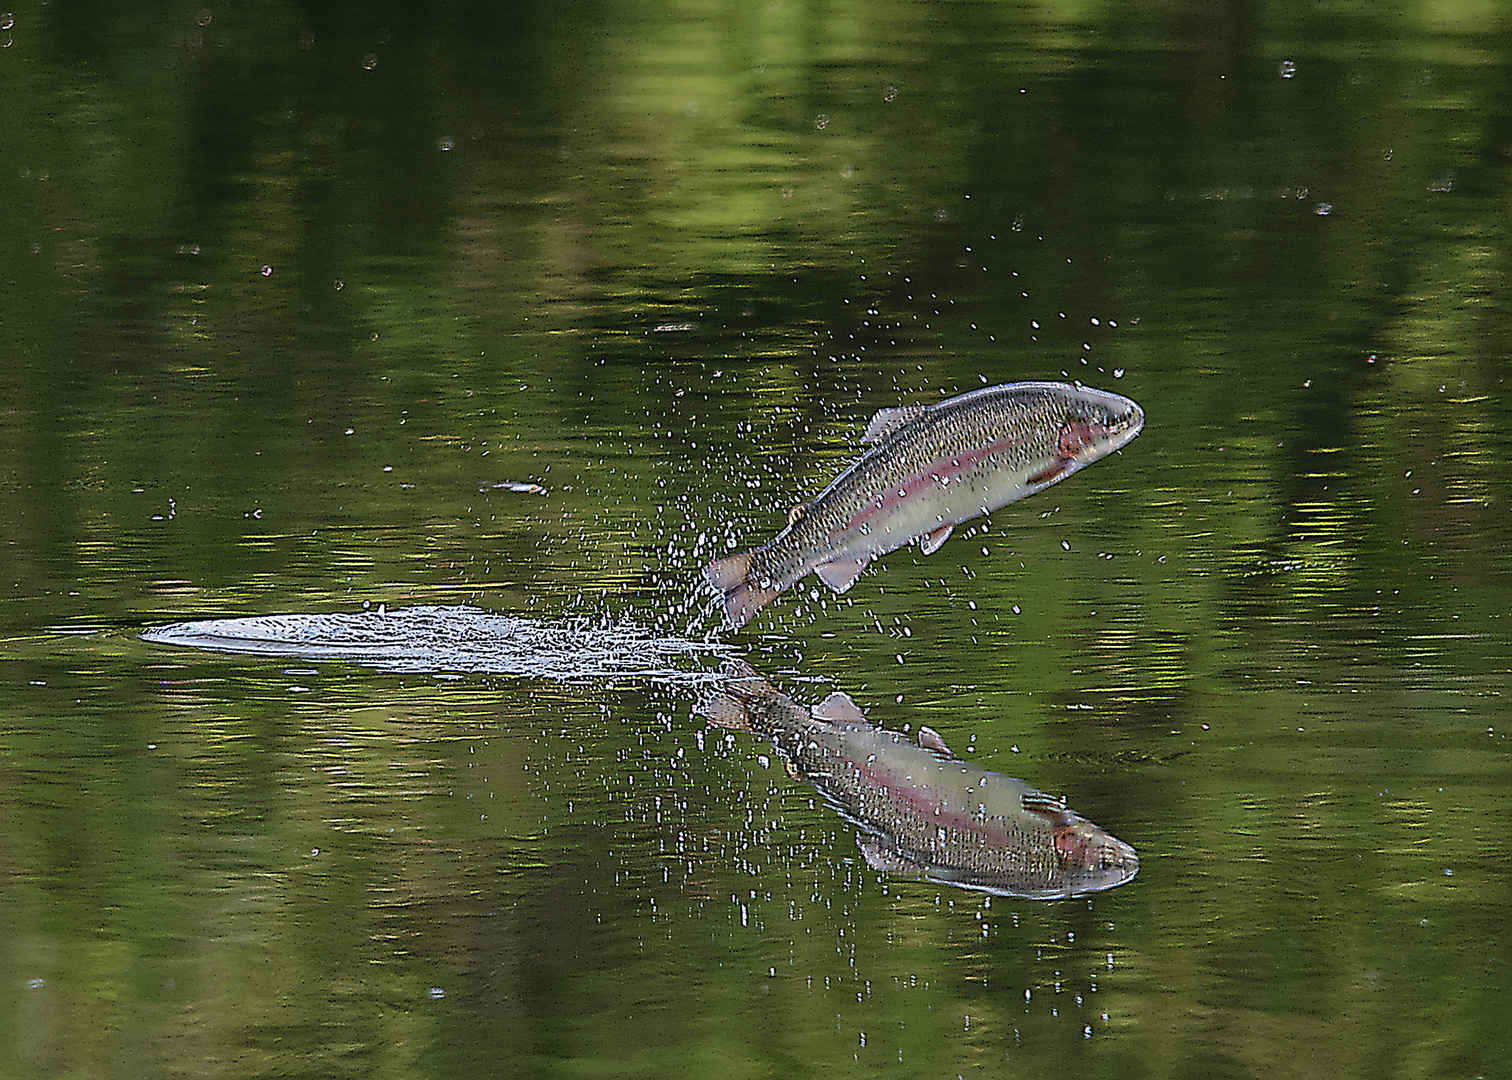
{"x": 1074, "y": 848}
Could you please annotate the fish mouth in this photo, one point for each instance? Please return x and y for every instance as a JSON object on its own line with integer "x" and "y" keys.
{"x": 1083, "y": 439}
{"x": 1122, "y": 420}
{"x": 1084, "y": 849}
{"x": 1125, "y": 427}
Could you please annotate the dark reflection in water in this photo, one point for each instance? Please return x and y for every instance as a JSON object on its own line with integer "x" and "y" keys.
{"x": 922, "y": 812}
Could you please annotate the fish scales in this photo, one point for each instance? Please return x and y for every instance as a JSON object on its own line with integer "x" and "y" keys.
{"x": 950, "y": 433}
{"x": 930, "y": 469}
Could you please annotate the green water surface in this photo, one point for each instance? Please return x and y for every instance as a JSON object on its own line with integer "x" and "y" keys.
{"x": 287, "y": 293}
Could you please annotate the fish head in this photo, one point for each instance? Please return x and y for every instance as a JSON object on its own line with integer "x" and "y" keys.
{"x": 1090, "y": 858}
{"x": 1096, "y": 423}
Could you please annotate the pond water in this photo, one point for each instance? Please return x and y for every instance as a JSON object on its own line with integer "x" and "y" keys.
{"x": 505, "y": 321}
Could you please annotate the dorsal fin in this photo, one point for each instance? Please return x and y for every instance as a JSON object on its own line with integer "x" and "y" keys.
{"x": 838, "y": 708}
{"x": 888, "y": 421}
{"x": 930, "y": 739}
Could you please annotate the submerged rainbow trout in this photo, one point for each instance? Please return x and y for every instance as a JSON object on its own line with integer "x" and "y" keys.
{"x": 929, "y": 469}
{"x": 921, "y": 812}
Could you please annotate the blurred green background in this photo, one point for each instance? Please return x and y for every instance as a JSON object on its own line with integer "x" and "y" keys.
{"x": 288, "y": 290}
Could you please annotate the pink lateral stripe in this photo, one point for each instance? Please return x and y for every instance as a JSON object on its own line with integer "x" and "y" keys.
{"x": 897, "y": 495}
{"x": 906, "y": 795}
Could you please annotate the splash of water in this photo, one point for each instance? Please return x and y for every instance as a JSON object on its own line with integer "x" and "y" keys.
{"x": 461, "y": 639}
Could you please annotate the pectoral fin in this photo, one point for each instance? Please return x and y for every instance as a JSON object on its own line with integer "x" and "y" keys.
{"x": 883, "y": 856}
{"x": 1053, "y": 473}
{"x": 930, "y": 542}
{"x": 1037, "y": 802}
{"x": 842, "y": 573}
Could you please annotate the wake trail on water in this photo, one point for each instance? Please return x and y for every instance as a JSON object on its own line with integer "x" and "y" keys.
{"x": 462, "y": 639}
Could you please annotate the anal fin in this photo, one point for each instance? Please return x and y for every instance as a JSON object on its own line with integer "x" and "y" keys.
{"x": 842, "y": 573}
{"x": 883, "y": 856}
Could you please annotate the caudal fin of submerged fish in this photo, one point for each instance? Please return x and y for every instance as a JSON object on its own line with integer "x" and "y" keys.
{"x": 743, "y": 598}
{"x": 730, "y": 706}
{"x": 724, "y": 710}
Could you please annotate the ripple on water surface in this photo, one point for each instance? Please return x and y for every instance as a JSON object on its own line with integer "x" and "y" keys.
{"x": 432, "y": 638}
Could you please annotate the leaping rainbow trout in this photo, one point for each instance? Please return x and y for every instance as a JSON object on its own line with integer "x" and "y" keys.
{"x": 922, "y": 813}
{"x": 929, "y": 469}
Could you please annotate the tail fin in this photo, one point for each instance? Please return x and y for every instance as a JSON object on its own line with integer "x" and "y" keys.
{"x": 743, "y": 598}
{"x": 728, "y": 707}
{"x": 724, "y": 710}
